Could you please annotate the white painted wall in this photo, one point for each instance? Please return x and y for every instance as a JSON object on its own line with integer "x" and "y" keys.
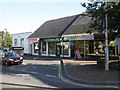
{"x": 26, "y": 44}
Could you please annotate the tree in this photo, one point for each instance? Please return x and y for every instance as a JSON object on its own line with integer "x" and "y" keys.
{"x": 1, "y": 39}
{"x": 7, "y": 40}
{"x": 97, "y": 11}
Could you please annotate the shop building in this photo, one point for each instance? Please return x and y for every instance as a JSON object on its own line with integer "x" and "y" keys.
{"x": 67, "y": 37}
{"x": 49, "y": 35}
{"x": 20, "y": 43}
{"x": 60, "y": 37}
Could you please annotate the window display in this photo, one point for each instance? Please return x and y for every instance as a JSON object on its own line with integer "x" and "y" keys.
{"x": 66, "y": 48}
{"x": 99, "y": 47}
{"x": 52, "y": 48}
{"x": 44, "y": 48}
{"x": 36, "y": 49}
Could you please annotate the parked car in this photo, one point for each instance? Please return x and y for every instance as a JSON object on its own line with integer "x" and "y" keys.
{"x": 9, "y": 58}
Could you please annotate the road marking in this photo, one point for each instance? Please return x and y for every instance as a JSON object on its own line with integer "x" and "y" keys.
{"x": 50, "y": 75}
{"x": 34, "y": 72}
{"x": 29, "y": 72}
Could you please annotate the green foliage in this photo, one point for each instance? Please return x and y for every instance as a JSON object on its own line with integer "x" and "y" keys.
{"x": 7, "y": 40}
{"x": 1, "y": 37}
{"x": 97, "y": 11}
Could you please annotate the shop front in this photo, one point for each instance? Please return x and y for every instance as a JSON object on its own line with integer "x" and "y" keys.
{"x": 80, "y": 44}
{"x": 48, "y": 46}
{"x": 77, "y": 45}
{"x": 34, "y": 46}
{"x": 54, "y": 47}
{"x": 99, "y": 45}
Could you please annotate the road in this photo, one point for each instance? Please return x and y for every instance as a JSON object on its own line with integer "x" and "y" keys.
{"x": 37, "y": 73}
{"x": 34, "y": 74}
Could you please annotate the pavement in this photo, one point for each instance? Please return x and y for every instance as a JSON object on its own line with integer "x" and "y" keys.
{"x": 88, "y": 72}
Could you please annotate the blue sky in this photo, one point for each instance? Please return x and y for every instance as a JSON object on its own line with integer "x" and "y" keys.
{"x": 18, "y": 17}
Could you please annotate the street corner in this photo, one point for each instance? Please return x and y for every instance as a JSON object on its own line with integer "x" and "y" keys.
{"x": 87, "y": 72}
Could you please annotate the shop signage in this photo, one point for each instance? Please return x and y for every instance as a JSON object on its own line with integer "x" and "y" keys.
{"x": 79, "y": 37}
{"x": 17, "y": 48}
{"x": 51, "y": 40}
{"x": 33, "y": 40}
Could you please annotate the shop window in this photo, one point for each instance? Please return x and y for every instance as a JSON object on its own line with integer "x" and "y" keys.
{"x": 36, "y": 48}
{"x": 52, "y": 48}
{"x": 91, "y": 47}
{"x": 58, "y": 49}
{"x": 66, "y": 48}
{"x": 99, "y": 47}
{"x": 82, "y": 47}
{"x": 44, "y": 48}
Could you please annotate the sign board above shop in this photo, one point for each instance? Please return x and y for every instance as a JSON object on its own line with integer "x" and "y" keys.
{"x": 78, "y": 37}
{"x": 33, "y": 40}
{"x": 51, "y": 40}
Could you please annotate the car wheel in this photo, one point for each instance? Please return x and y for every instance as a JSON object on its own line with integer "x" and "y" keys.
{"x": 6, "y": 63}
{"x": 21, "y": 62}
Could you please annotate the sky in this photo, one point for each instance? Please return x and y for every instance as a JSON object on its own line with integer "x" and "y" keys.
{"x": 18, "y": 16}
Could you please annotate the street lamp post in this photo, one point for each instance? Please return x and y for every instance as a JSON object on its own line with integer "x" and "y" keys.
{"x": 62, "y": 47}
{"x": 106, "y": 41}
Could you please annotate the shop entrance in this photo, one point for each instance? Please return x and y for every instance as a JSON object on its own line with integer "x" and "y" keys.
{"x": 58, "y": 49}
{"x": 83, "y": 47}
{"x": 63, "y": 49}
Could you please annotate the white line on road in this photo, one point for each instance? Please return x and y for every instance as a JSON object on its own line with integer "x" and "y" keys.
{"x": 26, "y": 71}
{"x": 50, "y": 76}
{"x": 34, "y": 72}
{"x": 29, "y": 72}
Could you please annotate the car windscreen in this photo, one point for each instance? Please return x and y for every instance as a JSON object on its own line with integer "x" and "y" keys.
{"x": 10, "y": 54}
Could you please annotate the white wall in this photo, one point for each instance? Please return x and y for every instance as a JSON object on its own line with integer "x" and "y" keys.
{"x": 26, "y": 44}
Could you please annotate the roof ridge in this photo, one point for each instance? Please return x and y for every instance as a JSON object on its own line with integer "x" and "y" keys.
{"x": 62, "y": 17}
{"x": 69, "y": 24}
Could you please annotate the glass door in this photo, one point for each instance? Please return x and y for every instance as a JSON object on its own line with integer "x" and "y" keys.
{"x": 58, "y": 49}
